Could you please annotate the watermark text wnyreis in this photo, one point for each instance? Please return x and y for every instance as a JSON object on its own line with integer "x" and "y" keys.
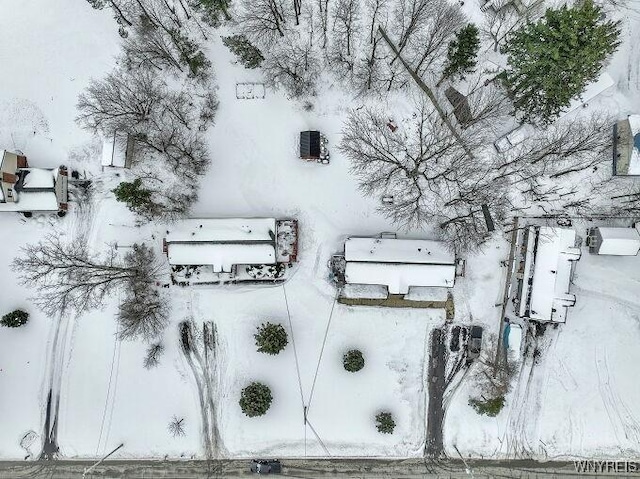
{"x": 607, "y": 467}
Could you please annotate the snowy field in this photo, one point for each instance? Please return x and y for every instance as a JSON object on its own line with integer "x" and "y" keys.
{"x": 580, "y": 400}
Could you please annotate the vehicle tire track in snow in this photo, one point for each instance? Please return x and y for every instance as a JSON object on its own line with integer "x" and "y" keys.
{"x": 622, "y": 421}
{"x": 522, "y": 433}
{"x": 82, "y": 225}
{"x": 204, "y": 370}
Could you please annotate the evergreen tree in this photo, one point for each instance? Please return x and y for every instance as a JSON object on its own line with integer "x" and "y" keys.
{"x": 353, "y": 360}
{"x": 15, "y": 319}
{"x": 255, "y": 399}
{"x": 271, "y": 338}
{"x": 461, "y": 56}
{"x": 137, "y": 198}
{"x": 248, "y": 54}
{"x": 385, "y": 423}
{"x": 551, "y": 61}
{"x": 212, "y": 10}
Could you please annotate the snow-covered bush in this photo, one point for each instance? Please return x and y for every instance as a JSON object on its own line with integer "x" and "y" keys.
{"x": 271, "y": 338}
{"x": 15, "y": 319}
{"x": 353, "y": 360}
{"x": 385, "y": 423}
{"x": 255, "y": 399}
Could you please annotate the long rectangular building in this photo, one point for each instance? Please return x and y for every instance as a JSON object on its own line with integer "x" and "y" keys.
{"x": 398, "y": 264}
{"x": 222, "y": 242}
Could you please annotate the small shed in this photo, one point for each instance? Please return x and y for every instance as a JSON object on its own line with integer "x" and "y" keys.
{"x": 310, "y": 145}
{"x": 118, "y": 150}
{"x": 460, "y": 104}
{"x": 626, "y": 147}
{"x": 614, "y": 241}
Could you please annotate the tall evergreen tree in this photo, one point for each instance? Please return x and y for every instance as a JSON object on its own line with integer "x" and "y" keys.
{"x": 551, "y": 61}
{"x": 136, "y": 197}
{"x": 462, "y": 52}
{"x": 213, "y": 10}
{"x": 248, "y": 54}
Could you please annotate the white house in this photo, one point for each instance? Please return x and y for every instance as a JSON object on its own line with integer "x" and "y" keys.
{"x": 549, "y": 258}
{"x": 614, "y": 241}
{"x": 29, "y": 190}
{"x": 398, "y": 264}
{"x": 230, "y": 249}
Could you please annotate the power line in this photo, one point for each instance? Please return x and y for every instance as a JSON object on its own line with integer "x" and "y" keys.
{"x": 324, "y": 341}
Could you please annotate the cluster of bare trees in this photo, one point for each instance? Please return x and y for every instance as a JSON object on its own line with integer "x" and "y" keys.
{"x": 67, "y": 277}
{"x": 161, "y": 46}
{"x": 564, "y": 169}
{"x": 432, "y": 178}
{"x": 438, "y": 177}
{"x": 342, "y": 35}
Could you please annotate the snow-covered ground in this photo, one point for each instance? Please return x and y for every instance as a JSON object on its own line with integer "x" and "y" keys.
{"x": 580, "y": 400}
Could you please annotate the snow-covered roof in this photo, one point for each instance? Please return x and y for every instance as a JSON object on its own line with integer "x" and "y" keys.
{"x": 38, "y": 178}
{"x": 634, "y": 159}
{"x": 114, "y": 151}
{"x": 222, "y": 230}
{"x": 592, "y": 90}
{"x": 619, "y": 241}
{"x": 391, "y": 250}
{"x": 400, "y": 277}
{"x": 221, "y": 256}
{"x": 550, "y": 295}
{"x": 32, "y": 201}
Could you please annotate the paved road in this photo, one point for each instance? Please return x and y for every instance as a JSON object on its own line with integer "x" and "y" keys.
{"x": 298, "y": 468}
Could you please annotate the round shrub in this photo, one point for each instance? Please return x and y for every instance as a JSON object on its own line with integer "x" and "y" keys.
{"x": 385, "y": 423}
{"x": 353, "y": 361}
{"x": 271, "y": 338}
{"x": 255, "y": 399}
{"x": 15, "y": 319}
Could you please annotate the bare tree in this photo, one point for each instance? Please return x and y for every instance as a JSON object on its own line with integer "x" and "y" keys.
{"x": 167, "y": 123}
{"x": 263, "y": 21}
{"x": 123, "y": 101}
{"x": 150, "y": 48}
{"x": 152, "y": 357}
{"x": 143, "y": 313}
{"x": 500, "y": 22}
{"x": 323, "y": 19}
{"x": 346, "y": 32}
{"x": 176, "y": 426}
{"x": 429, "y": 48}
{"x": 67, "y": 277}
{"x": 293, "y": 67}
{"x": 563, "y": 168}
{"x": 430, "y": 177}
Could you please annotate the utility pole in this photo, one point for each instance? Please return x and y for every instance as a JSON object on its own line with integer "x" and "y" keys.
{"x": 89, "y": 469}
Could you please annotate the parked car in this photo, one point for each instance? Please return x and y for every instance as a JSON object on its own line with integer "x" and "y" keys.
{"x": 475, "y": 343}
{"x": 513, "y": 336}
{"x": 266, "y": 466}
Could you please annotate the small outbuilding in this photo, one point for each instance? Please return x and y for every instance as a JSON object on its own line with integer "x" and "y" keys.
{"x": 118, "y": 150}
{"x": 313, "y": 147}
{"x": 614, "y": 241}
{"x": 626, "y": 147}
